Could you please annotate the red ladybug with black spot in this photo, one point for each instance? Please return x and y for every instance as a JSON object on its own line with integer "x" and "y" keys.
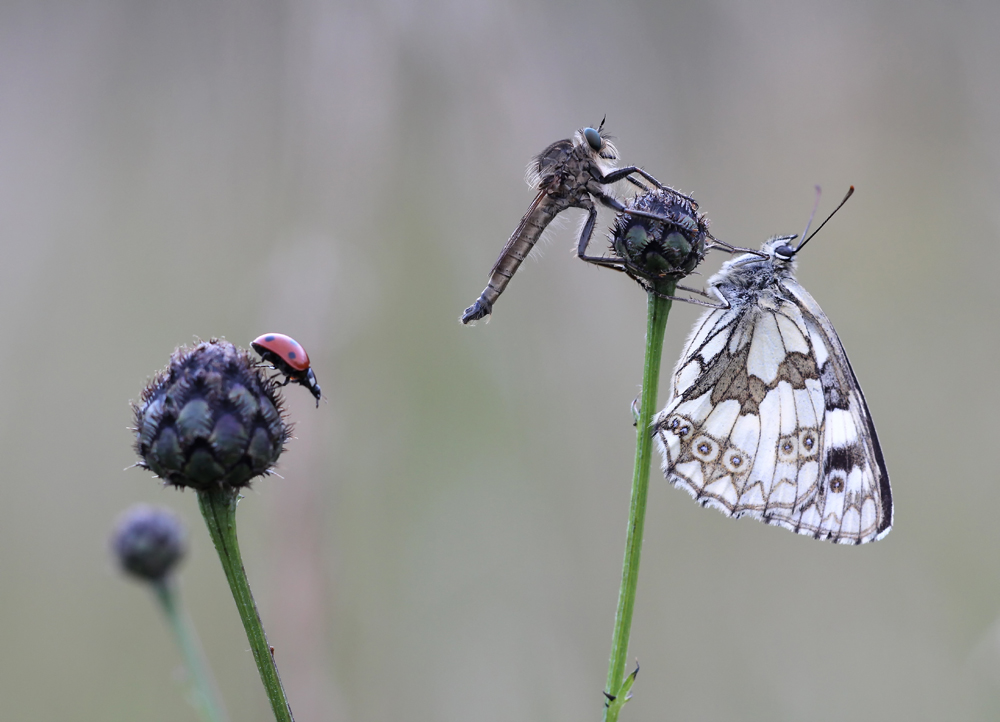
{"x": 287, "y": 356}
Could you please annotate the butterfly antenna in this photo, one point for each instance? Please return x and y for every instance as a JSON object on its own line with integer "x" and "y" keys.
{"x": 806, "y": 239}
{"x": 805, "y": 232}
{"x": 729, "y": 248}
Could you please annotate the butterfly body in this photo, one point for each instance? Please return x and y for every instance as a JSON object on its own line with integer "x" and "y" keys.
{"x": 766, "y": 417}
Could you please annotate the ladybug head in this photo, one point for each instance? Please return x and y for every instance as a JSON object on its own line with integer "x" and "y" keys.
{"x": 309, "y": 381}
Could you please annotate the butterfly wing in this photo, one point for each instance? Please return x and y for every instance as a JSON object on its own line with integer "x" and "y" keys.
{"x": 853, "y": 474}
{"x": 767, "y": 419}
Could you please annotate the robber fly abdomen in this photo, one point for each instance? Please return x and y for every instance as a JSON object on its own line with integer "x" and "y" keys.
{"x": 528, "y": 231}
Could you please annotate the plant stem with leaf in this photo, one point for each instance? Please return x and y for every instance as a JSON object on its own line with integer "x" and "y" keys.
{"x": 618, "y": 686}
{"x": 218, "y": 506}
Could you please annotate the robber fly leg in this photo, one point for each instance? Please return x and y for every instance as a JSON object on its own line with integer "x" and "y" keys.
{"x": 615, "y": 204}
{"x": 620, "y": 173}
{"x": 588, "y": 231}
{"x": 585, "y": 236}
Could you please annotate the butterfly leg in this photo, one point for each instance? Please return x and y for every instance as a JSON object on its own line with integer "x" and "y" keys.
{"x": 693, "y": 301}
{"x": 620, "y": 264}
{"x": 694, "y": 290}
{"x": 628, "y": 268}
{"x": 729, "y": 248}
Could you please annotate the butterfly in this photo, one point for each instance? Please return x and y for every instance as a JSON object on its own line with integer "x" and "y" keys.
{"x": 766, "y": 417}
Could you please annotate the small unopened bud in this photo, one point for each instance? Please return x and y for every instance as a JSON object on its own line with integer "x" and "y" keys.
{"x": 148, "y": 541}
{"x": 211, "y": 418}
{"x": 657, "y": 253}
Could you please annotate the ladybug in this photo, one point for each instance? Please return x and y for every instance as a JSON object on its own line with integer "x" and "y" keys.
{"x": 287, "y": 356}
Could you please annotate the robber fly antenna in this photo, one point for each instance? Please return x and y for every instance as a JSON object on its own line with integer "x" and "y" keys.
{"x": 805, "y": 238}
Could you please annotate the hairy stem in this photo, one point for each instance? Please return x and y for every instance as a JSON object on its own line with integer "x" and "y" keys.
{"x": 618, "y": 685}
{"x": 218, "y": 506}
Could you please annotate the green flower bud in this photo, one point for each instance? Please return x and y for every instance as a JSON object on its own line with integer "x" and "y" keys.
{"x": 212, "y": 417}
{"x": 656, "y": 253}
{"x": 148, "y": 541}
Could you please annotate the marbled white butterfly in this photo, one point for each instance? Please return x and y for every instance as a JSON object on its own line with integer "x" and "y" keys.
{"x": 766, "y": 417}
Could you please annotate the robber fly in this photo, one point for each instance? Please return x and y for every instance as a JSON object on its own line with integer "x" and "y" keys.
{"x": 570, "y": 173}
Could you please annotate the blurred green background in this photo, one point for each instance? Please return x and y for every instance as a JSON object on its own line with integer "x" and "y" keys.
{"x": 446, "y": 540}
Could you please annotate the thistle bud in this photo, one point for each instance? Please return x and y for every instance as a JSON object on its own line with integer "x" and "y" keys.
{"x": 148, "y": 542}
{"x": 656, "y": 253}
{"x": 211, "y": 418}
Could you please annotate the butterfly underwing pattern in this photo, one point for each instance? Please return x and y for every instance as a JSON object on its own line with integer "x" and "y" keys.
{"x": 766, "y": 417}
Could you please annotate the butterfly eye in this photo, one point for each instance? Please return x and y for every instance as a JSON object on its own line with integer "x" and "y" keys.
{"x": 784, "y": 252}
{"x": 593, "y": 137}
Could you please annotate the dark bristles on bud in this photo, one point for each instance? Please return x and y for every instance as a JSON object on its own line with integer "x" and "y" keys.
{"x": 656, "y": 253}
{"x": 148, "y": 542}
{"x": 211, "y": 418}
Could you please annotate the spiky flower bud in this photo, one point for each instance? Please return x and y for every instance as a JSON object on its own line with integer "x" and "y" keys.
{"x": 658, "y": 254}
{"x": 211, "y": 418}
{"x": 148, "y": 541}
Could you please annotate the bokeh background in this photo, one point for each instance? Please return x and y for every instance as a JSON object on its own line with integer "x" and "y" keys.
{"x": 446, "y": 538}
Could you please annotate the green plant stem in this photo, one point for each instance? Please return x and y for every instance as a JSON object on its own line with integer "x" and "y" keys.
{"x": 218, "y": 506}
{"x": 618, "y": 686}
{"x": 203, "y": 690}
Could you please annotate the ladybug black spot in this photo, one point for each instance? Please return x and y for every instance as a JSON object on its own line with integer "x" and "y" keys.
{"x": 291, "y": 354}
{"x": 269, "y": 338}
